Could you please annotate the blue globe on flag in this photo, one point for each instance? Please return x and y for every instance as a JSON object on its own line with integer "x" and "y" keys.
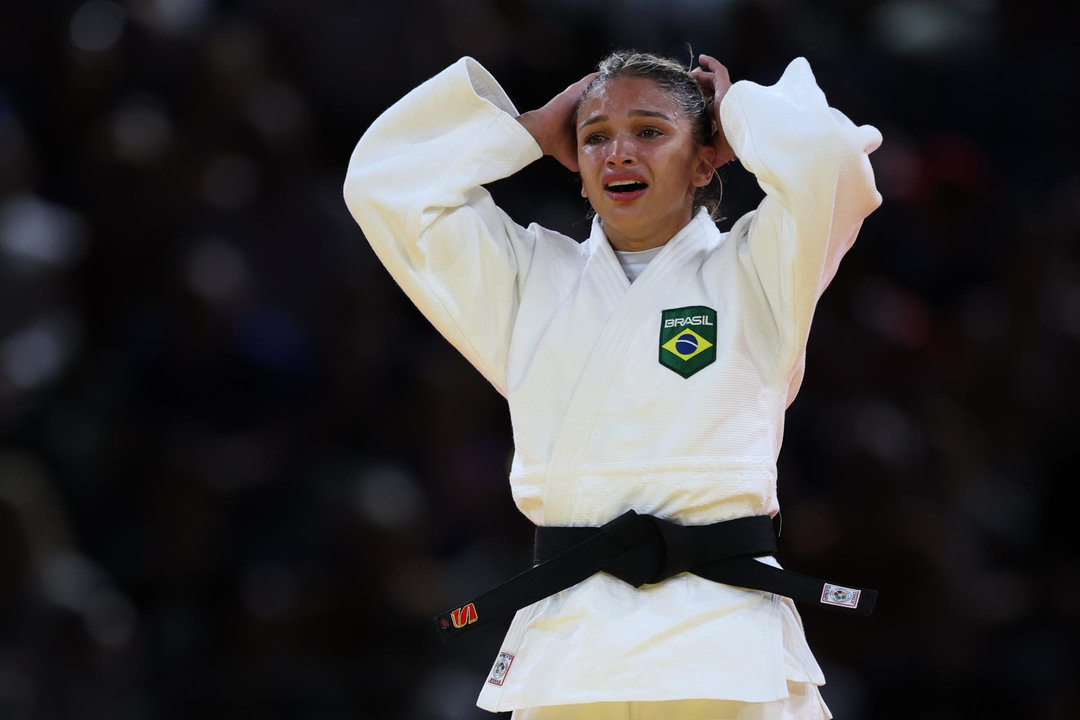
{"x": 686, "y": 344}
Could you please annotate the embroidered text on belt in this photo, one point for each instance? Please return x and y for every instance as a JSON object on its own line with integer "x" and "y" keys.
{"x": 642, "y": 549}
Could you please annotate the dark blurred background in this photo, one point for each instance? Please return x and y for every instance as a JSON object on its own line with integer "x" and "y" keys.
{"x": 238, "y": 472}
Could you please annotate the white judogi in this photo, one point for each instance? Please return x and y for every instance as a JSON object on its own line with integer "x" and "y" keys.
{"x": 600, "y": 425}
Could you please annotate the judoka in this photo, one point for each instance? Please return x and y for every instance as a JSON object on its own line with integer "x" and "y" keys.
{"x": 647, "y": 368}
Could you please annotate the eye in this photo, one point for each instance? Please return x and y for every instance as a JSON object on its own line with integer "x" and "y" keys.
{"x": 593, "y": 139}
{"x": 650, "y": 132}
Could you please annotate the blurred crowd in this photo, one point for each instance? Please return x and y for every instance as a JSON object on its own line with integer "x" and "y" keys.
{"x": 239, "y": 472}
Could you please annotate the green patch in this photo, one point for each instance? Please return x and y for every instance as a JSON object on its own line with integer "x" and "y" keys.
{"x": 687, "y": 339}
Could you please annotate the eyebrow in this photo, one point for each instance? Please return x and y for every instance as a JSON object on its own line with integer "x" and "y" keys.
{"x": 639, "y": 113}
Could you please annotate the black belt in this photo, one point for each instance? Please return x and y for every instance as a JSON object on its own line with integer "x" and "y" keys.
{"x": 640, "y": 549}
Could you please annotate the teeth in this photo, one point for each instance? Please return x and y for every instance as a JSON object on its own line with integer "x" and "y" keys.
{"x": 620, "y": 186}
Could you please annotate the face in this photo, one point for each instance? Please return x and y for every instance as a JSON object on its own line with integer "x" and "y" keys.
{"x": 640, "y": 164}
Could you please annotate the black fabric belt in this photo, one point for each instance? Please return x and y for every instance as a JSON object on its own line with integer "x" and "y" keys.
{"x": 642, "y": 549}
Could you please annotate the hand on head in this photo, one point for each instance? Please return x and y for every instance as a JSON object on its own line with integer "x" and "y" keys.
{"x": 714, "y": 80}
{"x": 552, "y": 126}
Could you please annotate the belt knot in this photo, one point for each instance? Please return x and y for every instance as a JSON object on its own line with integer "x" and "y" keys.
{"x": 657, "y": 549}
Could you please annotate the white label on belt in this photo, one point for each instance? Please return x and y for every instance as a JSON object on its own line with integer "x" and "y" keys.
{"x": 842, "y": 596}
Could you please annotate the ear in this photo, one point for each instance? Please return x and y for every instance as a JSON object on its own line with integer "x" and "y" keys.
{"x": 584, "y": 192}
{"x": 703, "y": 170}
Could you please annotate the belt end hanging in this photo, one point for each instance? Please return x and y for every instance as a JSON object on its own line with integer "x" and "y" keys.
{"x": 452, "y": 624}
{"x": 857, "y": 600}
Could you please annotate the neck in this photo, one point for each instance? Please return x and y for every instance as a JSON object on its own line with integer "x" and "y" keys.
{"x": 644, "y": 238}
{"x": 625, "y": 244}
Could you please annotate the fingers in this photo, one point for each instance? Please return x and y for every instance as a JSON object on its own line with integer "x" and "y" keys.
{"x": 584, "y": 82}
{"x": 577, "y": 89}
{"x": 713, "y": 66}
{"x": 711, "y": 74}
{"x": 715, "y": 80}
{"x": 704, "y": 79}
{"x": 572, "y": 93}
{"x": 709, "y": 62}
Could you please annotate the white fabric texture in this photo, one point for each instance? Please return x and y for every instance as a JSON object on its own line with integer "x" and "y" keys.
{"x": 600, "y": 425}
{"x": 803, "y": 703}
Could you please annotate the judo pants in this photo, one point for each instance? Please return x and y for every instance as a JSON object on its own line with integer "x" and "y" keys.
{"x": 804, "y": 703}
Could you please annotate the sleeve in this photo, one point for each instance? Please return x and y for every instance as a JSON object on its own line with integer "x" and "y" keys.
{"x": 414, "y": 187}
{"x": 813, "y": 164}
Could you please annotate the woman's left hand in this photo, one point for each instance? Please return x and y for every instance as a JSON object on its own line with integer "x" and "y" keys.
{"x": 714, "y": 80}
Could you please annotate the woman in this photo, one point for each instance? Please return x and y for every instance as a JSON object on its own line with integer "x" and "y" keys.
{"x": 646, "y": 369}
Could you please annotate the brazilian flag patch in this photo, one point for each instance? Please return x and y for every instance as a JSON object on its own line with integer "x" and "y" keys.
{"x": 687, "y": 339}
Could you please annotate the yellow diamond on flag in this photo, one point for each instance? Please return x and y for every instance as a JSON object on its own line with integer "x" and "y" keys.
{"x": 687, "y": 344}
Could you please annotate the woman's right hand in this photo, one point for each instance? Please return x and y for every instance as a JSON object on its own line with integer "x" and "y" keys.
{"x": 552, "y": 126}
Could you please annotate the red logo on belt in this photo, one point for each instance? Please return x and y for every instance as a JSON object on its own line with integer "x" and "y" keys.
{"x": 464, "y": 616}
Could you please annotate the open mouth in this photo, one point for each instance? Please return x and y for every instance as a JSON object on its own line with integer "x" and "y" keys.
{"x": 625, "y": 186}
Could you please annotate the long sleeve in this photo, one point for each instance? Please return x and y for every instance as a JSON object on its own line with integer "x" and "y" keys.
{"x": 601, "y": 423}
{"x": 414, "y": 187}
{"x": 813, "y": 164}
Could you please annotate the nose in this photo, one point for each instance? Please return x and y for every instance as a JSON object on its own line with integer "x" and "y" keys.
{"x": 622, "y": 152}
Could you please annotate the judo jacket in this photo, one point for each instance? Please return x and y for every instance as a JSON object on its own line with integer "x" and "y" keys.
{"x": 666, "y": 395}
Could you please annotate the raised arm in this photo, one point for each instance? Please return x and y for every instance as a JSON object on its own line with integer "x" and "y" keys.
{"x": 414, "y": 187}
{"x": 813, "y": 164}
